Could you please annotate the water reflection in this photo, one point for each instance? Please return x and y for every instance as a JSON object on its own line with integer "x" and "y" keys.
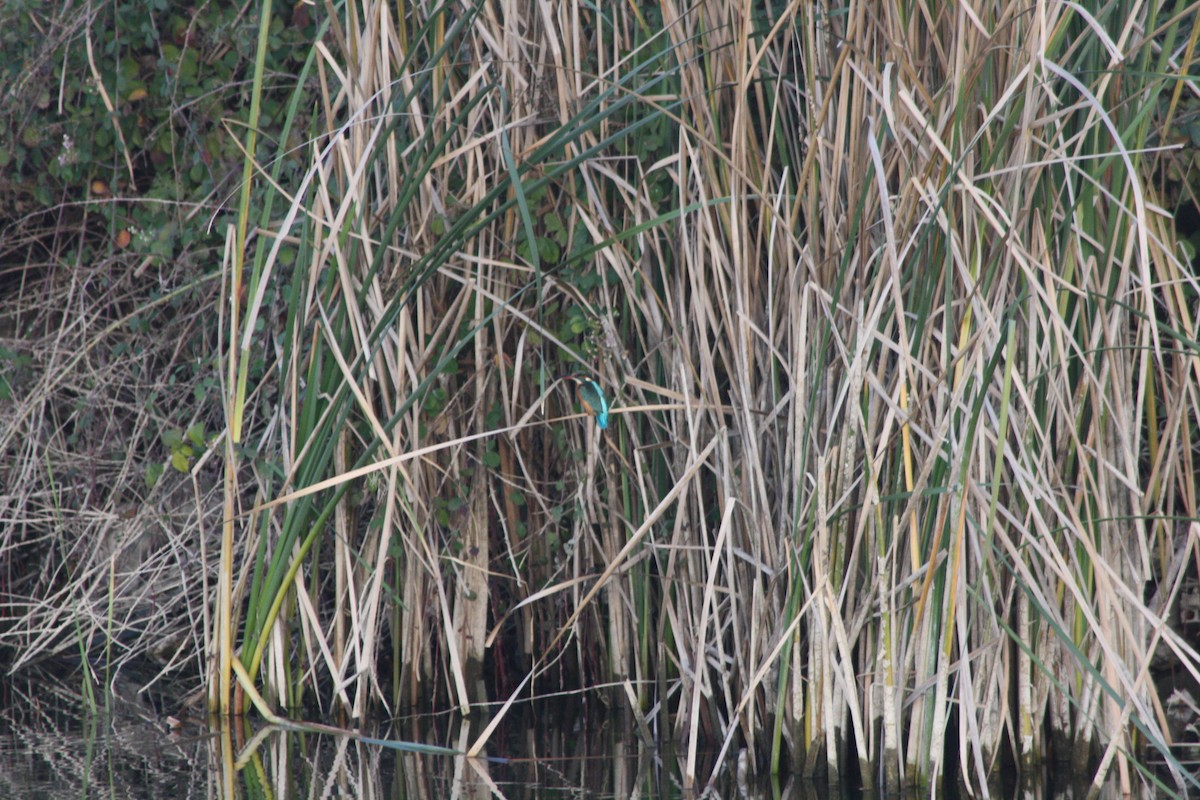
{"x": 49, "y": 748}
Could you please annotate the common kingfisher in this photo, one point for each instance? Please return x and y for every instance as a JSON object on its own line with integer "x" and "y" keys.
{"x": 591, "y": 397}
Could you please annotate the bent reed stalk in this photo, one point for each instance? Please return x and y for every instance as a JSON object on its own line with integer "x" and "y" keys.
{"x": 900, "y": 352}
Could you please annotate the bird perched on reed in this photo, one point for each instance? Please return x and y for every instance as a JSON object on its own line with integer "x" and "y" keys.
{"x": 591, "y": 397}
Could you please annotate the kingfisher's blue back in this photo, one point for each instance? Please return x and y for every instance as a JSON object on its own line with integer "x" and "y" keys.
{"x": 591, "y": 397}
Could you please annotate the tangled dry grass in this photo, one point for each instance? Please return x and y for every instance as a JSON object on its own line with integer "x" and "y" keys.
{"x": 101, "y": 359}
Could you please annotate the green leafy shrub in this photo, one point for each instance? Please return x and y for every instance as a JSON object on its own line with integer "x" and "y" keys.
{"x": 129, "y": 112}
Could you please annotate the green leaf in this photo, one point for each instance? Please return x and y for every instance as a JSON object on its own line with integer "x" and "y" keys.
{"x": 196, "y": 434}
{"x": 548, "y": 249}
{"x": 153, "y": 473}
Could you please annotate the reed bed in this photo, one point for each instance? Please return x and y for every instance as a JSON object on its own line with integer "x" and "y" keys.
{"x": 899, "y": 346}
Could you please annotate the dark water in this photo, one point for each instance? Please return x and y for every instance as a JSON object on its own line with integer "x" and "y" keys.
{"x": 49, "y": 748}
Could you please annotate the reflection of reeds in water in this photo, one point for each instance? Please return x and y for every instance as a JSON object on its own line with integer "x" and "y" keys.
{"x": 51, "y": 745}
{"x": 49, "y": 748}
{"x": 899, "y": 348}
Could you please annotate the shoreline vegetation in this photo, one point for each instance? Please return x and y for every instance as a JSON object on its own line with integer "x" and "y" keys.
{"x": 885, "y": 305}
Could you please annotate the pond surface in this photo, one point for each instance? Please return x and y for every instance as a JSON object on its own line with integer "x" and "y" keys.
{"x": 49, "y": 749}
